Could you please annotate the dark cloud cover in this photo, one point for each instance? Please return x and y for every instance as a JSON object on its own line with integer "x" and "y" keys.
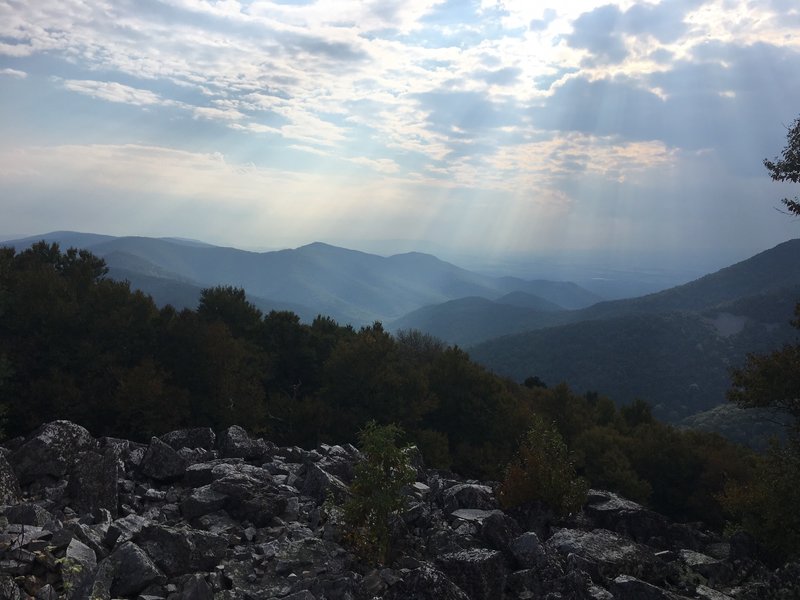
{"x": 470, "y": 112}
{"x": 600, "y": 31}
{"x": 730, "y": 98}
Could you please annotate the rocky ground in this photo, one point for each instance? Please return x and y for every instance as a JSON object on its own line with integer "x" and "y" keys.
{"x": 194, "y": 515}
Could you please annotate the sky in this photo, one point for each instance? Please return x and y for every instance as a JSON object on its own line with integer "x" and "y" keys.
{"x": 488, "y": 127}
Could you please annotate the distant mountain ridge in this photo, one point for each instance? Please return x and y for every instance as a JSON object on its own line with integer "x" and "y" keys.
{"x": 469, "y": 323}
{"x": 674, "y": 348}
{"x": 351, "y": 286}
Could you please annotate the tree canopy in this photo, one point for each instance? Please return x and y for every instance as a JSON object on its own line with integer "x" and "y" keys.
{"x": 786, "y": 167}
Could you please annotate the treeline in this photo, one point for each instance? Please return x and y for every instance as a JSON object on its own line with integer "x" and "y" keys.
{"x": 79, "y": 346}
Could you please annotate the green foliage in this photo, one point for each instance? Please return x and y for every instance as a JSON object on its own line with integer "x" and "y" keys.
{"x": 543, "y": 471}
{"x": 376, "y": 491}
{"x": 770, "y": 381}
{"x": 604, "y": 458}
{"x": 765, "y": 505}
{"x": 229, "y": 305}
{"x": 787, "y": 166}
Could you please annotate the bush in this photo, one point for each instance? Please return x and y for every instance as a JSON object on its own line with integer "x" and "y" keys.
{"x": 766, "y": 505}
{"x": 376, "y": 491}
{"x": 543, "y": 471}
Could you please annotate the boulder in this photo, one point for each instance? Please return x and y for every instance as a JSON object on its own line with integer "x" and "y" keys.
{"x": 28, "y": 513}
{"x": 468, "y": 495}
{"x": 480, "y": 573}
{"x": 604, "y": 554}
{"x": 10, "y": 492}
{"x": 179, "y": 551}
{"x": 133, "y": 570}
{"x": 319, "y": 484}
{"x": 425, "y": 583}
{"x": 626, "y": 587}
{"x": 198, "y": 437}
{"x": 235, "y": 443}
{"x": 498, "y": 529}
{"x": 340, "y": 462}
{"x": 196, "y": 588}
{"x": 161, "y": 462}
{"x": 93, "y": 482}
{"x": 50, "y": 451}
{"x": 123, "y": 530}
{"x": 202, "y": 501}
{"x": 714, "y": 570}
{"x": 77, "y": 568}
{"x": 527, "y": 550}
{"x": 249, "y": 498}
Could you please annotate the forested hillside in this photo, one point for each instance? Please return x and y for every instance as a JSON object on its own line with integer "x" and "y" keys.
{"x": 677, "y": 361}
{"x": 350, "y": 286}
{"x": 76, "y": 345}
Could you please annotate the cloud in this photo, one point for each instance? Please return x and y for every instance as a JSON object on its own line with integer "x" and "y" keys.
{"x": 212, "y": 113}
{"x": 598, "y": 32}
{"x": 112, "y": 91}
{"x": 548, "y": 16}
{"x": 603, "y": 31}
{"x": 518, "y": 103}
{"x": 15, "y": 73}
{"x": 505, "y": 76}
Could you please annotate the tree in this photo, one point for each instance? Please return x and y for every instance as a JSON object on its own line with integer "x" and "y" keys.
{"x": 543, "y": 471}
{"x": 766, "y": 505}
{"x": 786, "y": 167}
{"x": 771, "y": 380}
{"x": 229, "y": 305}
{"x": 377, "y": 490}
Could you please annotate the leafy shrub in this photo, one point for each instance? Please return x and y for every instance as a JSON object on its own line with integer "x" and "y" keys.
{"x": 544, "y": 471}
{"x": 376, "y": 491}
{"x": 766, "y": 505}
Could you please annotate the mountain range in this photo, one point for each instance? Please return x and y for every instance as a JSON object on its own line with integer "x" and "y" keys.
{"x": 673, "y": 348}
{"x": 350, "y": 286}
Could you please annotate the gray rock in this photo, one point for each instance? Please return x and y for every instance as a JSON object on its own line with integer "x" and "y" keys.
{"x": 162, "y": 463}
{"x": 607, "y": 554}
{"x": 10, "y": 492}
{"x": 626, "y": 587}
{"x": 133, "y": 570}
{"x": 339, "y": 463}
{"x": 47, "y": 592}
{"x": 319, "y": 484}
{"x": 425, "y": 583}
{"x": 28, "y": 513}
{"x": 250, "y": 499}
{"x": 498, "y": 529}
{"x": 198, "y": 437}
{"x": 480, "y": 573}
{"x": 93, "y": 482}
{"x": 50, "y": 451}
{"x": 77, "y": 568}
{"x": 9, "y": 589}
{"x": 468, "y": 495}
{"x": 196, "y": 588}
{"x": 301, "y": 595}
{"x": 202, "y": 501}
{"x": 123, "y": 530}
{"x": 714, "y": 570}
{"x": 527, "y": 550}
{"x": 234, "y": 442}
{"x": 180, "y": 551}
{"x": 707, "y": 593}
{"x": 129, "y": 453}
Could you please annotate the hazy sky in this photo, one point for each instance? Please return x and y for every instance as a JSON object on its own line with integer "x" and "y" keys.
{"x": 492, "y": 126}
